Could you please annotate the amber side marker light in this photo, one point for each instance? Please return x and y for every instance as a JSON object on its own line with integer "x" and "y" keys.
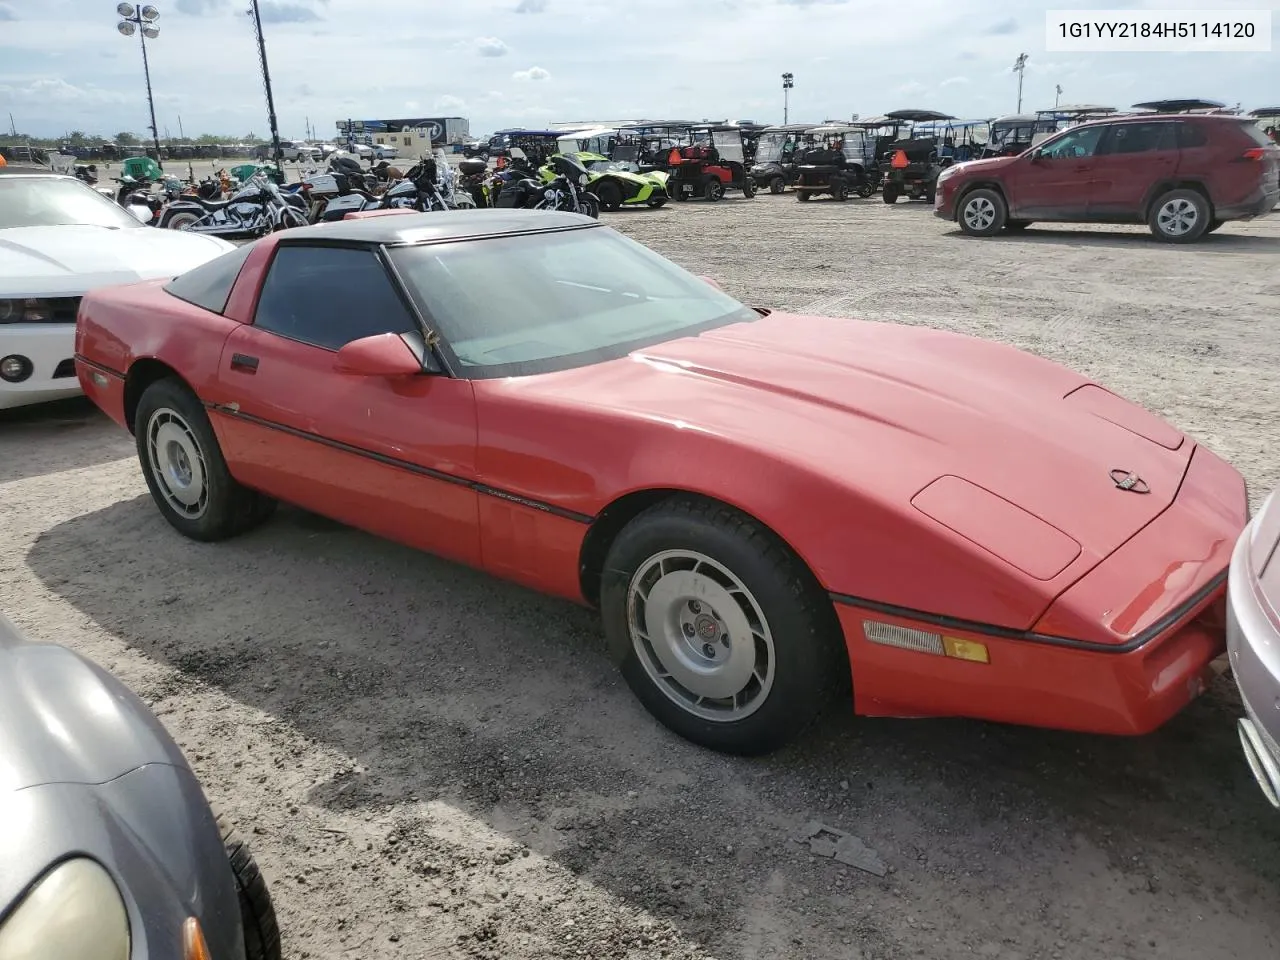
{"x": 193, "y": 945}
{"x": 922, "y": 641}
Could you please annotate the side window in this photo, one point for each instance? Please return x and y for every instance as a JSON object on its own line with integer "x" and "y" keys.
{"x": 1076, "y": 145}
{"x": 1190, "y": 135}
{"x": 209, "y": 285}
{"x": 329, "y": 296}
{"x": 1141, "y": 138}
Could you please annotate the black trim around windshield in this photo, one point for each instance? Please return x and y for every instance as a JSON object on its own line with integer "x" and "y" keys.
{"x": 528, "y": 368}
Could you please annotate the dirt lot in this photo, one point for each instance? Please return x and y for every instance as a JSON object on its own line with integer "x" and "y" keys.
{"x": 434, "y": 764}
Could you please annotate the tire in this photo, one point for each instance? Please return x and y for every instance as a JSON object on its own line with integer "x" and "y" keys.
{"x": 890, "y": 195}
{"x": 839, "y": 190}
{"x": 610, "y": 195}
{"x": 290, "y": 217}
{"x": 257, "y": 912}
{"x": 982, "y": 213}
{"x": 182, "y": 220}
{"x": 1179, "y": 216}
{"x": 777, "y": 185}
{"x": 865, "y": 190}
{"x": 679, "y": 195}
{"x": 1214, "y": 225}
{"x": 211, "y": 505}
{"x": 656, "y": 202}
{"x": 803, "y": 196}
{"x": 791, "y": 635}
{"x": 590, "y": 206}
{"x": 748, "y": 188}
{"x": 1016, "y": 226}
{"x": 714, "y": 189}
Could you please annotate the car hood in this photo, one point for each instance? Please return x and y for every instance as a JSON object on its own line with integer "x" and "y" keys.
{"x": 889, "y": 409}
{"x": 63, "y": 719}
{"x": 987, "y": 165}
{"x": 69, "y": 260}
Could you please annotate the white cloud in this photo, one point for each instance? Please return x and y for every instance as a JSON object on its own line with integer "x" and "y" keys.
{"x": 531, "y": 6}
{"x": 449, "y": 102}
{"x": 490, "y": 47}
{"x": 954, "y": 82}
{"x": 533, "y": 73}
{"x": 6, "y": 12}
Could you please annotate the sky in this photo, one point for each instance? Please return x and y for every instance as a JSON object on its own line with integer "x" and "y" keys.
{"x": 505, "y": 63}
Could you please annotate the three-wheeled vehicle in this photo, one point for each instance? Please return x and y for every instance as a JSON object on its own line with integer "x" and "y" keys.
{"x": 711, "y": 162}
{"x": 911, "y": 165}
{"x": 833, "y": 161}
{"x": 616, "y": 183}
{"x": 775, "y": 163}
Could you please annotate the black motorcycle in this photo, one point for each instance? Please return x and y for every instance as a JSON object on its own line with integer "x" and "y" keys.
{"x": 568, "y": 190}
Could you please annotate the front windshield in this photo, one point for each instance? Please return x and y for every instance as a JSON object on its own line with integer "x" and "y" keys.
{"x": 769, "y": 148}
{"x": 57, "y": 202}
{"x": 566, "y": 299}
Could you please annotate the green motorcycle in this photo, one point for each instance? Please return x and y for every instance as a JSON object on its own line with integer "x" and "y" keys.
{"x": 616, "y": 183}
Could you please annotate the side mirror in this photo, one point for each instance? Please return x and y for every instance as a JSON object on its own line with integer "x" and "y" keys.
{"x": 382, "y": 355}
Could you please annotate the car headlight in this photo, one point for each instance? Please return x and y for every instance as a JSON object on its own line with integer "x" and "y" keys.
{"x": 25, "y": 311}
{"x": 75, "y": 910}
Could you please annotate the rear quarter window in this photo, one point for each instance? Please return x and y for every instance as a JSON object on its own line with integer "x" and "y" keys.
{"x": 209, "y": 285}
{"x": 1255, "y": 133}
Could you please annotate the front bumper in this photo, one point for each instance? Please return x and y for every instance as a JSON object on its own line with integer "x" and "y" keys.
{"x": 49, "y": 347}
{"x": 1253, "y": 642}
{"x": 1158, "y": 612}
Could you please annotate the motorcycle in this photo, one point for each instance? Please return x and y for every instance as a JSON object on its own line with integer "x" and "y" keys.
{"x": 259, "y": 207}
{"x": 427, "y": 186}
{"x": 568, "y": 191}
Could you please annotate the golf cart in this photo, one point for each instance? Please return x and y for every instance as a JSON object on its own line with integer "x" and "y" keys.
{"x": 648, "y": 143}
{"x": 958, "y": 140}
{"x": 911, "y": 166}
{"x": 598, "y": 140}
{"x": 833, "y": 160}
{"x": 711, "y": 162}
{"x": 1268, "y": 121}
{"x": 616, "y": 183}
{"x": 775, "y": 164}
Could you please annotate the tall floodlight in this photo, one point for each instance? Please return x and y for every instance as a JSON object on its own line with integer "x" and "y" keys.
{"x": 276, "y": 154}
{"x": 1019, "y": 67}
{"x": 142, "y": 21}
{"x": 788, "y": 81}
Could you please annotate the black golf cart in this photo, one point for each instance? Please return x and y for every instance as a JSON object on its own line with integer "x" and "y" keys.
{"x": 648, "y": 143}
{"x": 775, "y": 164}
{"x": 711, "y": 162}
{"x": 1012, "y": 134}
{"x": 833, "y": 160}
{"x": 911, "y": 165}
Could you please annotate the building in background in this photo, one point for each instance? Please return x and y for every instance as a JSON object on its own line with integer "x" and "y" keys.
{"x": 410, "y": 135}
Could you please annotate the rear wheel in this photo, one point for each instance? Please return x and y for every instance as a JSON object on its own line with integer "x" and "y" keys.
{"x": 714, "y": 189}
{"x": 182, "y": 220}
{"x": 777, "y": 185}
{"x": 610, "y": 195}
{"x": 890, "y": 194}
{"x": 1179, "y": 216}
{"x": 839, "y": 190}
{"x": 748, "y": 188}
{"x": 802, "y": 195}
{"x": 656, "y": 202}
{"x": 865, "y": 189}
{"x": 721, "y": 632}
{"x": 982, "y": 213}
{"x": 184, "y": 469}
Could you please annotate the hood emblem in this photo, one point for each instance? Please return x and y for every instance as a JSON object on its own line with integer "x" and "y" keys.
{"x": 1129, "y": 481}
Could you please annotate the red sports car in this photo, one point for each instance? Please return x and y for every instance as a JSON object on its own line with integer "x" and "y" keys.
{"x": 762, "y": 505}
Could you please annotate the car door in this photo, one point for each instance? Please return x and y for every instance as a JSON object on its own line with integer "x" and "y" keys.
{"x": 1131, "y": 159}
{"x": 394, "y": 456}
{"x": 1056, "y": 180}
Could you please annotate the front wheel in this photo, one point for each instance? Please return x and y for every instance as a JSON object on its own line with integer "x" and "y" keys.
{"x": 721, "y": 632}
{"x": 839, "y": 191}
{"x": 714, "y": 190}
{"x": 184, "y": 469}
{"x": 890, "y": 194}
{"x": 590, "y": 205}
{"x": 1179, "y": 216}
{"x": 610, "y": 195}
{"x": 983, "y": 213}
{"x": 865, "y": 189}
{"x": 657, "y": 202}
{"x": 257, "y": 912}
{"x": 777, "y": 185}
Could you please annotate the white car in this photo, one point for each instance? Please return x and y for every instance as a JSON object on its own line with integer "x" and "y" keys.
{"x": 59, "y": 238}
{"x": 385, "y": 151}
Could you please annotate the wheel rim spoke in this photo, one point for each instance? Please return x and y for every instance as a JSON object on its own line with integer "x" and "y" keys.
{"x": 177, "y": 464}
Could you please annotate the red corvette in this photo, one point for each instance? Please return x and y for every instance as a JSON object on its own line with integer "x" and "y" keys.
{"x": 761, "y": 505}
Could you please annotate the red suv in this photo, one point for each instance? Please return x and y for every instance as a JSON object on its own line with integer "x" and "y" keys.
{"x": 1183, "y": 175}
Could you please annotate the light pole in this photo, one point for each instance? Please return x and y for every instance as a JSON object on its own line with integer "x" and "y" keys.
{"x": 142, "y": 21}
{"x": 277, "y": 156}
{"x": 1019, "y": 67}
{"x": 788, "y": 81}
{"x": 1057, "y": 94}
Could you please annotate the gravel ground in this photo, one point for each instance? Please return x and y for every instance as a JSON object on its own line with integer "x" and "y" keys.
{"x": 434, "y": 764}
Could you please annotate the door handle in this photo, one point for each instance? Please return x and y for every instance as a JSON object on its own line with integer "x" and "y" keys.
{"x": 244, "y": 363}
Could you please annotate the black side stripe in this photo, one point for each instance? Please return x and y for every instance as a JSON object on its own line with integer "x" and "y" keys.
{"x": 1005, "y": 633}
{"x": 97, "y": 366}
{"x": 440, "y": 475}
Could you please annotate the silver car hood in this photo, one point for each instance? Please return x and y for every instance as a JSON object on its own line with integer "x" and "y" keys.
{"x": 63, "y": 719}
